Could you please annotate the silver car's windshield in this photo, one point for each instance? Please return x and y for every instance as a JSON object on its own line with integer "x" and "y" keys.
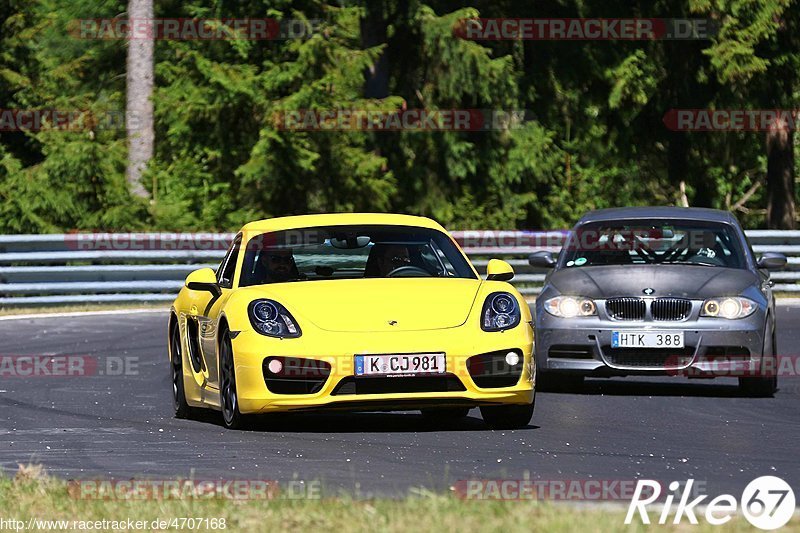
{"x": 653, "y": 242}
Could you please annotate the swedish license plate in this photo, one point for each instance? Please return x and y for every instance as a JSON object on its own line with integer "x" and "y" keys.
{"x": 647, "y": 339}
{"x": 414, "y": 364}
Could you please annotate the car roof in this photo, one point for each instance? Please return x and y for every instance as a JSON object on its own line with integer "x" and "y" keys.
{"x": 339, "y": 219}
{"x": 658, "y": 212}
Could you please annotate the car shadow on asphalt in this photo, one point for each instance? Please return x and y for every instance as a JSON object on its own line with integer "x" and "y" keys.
{"x": 639, "y": 387}
{"x": 373, "y": 422}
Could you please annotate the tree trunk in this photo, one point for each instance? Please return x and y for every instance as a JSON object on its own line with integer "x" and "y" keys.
{"x": 780, "y": 177}
{"x": 678, "y": 162}
{"x": 139, "y": 104}
{"x": 373, "y": 33}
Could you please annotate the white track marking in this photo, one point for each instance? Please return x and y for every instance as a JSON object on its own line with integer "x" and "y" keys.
{"x": 84, "y": 313}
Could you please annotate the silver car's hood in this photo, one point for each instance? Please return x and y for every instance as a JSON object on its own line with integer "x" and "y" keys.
{"x": 688, "y": 281}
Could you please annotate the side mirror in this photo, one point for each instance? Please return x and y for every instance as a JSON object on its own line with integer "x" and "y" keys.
{"x": 772, "y": 261}
{"x": 542, "y": 260}
{"x": 203, "y": 279}
{"x": 498, "y": 270}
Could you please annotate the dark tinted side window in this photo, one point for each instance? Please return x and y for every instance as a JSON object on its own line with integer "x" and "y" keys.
{"x": 227, "y": 269}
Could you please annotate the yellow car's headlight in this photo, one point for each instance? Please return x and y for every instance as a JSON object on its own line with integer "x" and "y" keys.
{"x": 270, "y": 318}
{"x": 500, "y": 312}
{"x": 730, "y": 308}
{"x": 570, "y": 306}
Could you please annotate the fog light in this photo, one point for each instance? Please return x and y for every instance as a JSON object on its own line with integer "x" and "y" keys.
{"x": 275, "y": 366}
{"x": 512, "y": 358}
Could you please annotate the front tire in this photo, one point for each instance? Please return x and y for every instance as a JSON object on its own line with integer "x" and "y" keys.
{"x": 759, "y": 387}
{"x": 228, "y": 395}
{"x": 508, "y": 416}
{"x": 763, "y": 387}
{"x": 179, "y": 403}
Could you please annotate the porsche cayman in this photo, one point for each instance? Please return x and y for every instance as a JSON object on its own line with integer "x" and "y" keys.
{"x": 358, "y": 312}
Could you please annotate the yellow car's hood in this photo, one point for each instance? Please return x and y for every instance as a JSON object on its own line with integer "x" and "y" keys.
{"x": 371, "y": 305}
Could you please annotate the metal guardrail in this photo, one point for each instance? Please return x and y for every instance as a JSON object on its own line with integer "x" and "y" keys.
{"x": 151, "y": 267}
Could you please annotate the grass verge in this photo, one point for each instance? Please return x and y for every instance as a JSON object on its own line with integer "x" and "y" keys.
{"x": 33, "y": 495}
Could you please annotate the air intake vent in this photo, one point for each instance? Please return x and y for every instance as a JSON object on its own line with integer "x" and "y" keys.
{"x": 491, "y": 370}
{"x": 294, "y": 375}
{"x": 653, "y": 358}
{"x": 363, "y": 385}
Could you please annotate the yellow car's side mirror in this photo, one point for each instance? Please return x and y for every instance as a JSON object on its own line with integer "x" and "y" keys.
{"x": 498, "y": 270}
{"x": 203, "y": 279}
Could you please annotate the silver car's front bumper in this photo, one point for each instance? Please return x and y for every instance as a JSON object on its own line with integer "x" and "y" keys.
{"x": 712, "y": 346}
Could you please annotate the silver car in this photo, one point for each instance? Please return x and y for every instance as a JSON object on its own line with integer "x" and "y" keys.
{"x": 654, "y": 291}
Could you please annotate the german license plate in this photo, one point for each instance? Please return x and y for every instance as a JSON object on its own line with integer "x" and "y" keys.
{"x": 647, "y": 339}
{"x": 400, "y": 364}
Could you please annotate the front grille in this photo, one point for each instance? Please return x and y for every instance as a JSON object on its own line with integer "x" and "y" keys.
{"x": 398, "y": 385}
{"x": 625, "y": 308}
{"x": 490, "y": 370}
{"x": 568, "y": 351}
{"x": 671, "y": 309}
{"x": 649, "y": 357}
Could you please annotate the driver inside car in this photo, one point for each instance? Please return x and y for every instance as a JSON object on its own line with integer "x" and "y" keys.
{"x": 386, "y": 258}
{"x": 276, "y": 266}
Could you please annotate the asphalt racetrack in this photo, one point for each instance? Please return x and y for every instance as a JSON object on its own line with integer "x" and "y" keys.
{"x": 121, "y": 426}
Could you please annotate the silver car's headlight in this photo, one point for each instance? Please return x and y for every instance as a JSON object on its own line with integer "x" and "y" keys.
{"x": 730, "y": 308}
{"x": 500, "y": 312}
{"x": 570, "y": 306}
{"x": 270, "y": 318}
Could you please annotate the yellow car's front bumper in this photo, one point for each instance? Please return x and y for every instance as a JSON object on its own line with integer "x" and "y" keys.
{"x": 339, "y": 349}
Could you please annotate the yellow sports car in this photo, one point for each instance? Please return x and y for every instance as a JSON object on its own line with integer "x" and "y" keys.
{"x": 360, "y": 312}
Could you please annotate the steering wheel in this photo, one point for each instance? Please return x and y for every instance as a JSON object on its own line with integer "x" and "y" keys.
{"x": 703, "y": 257}
{"x": 641, "y": 248}
{"x": 407, "y": 271}
{"x": 672, "y": 252}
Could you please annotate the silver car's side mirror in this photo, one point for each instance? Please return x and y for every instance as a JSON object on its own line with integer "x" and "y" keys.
{"x": 772, "y": 261}
{"x": 542, "y": 260}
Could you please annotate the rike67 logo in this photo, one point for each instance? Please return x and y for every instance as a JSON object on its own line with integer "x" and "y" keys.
{"x": 767, "y": 503}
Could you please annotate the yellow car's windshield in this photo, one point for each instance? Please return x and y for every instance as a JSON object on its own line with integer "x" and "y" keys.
{"x": 348, "y": 252}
